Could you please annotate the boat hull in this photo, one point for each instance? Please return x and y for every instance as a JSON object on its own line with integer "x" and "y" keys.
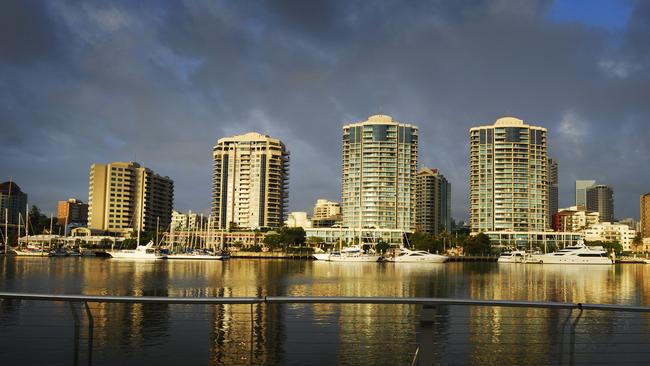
{"x": 134, "y": 256}
{"x": 551, "y": 259}
{"x": 441, "y": 259}
{"x": 321, "y": 256}
{"x": 193, "y": 257}
{"x": 360, "y": 258}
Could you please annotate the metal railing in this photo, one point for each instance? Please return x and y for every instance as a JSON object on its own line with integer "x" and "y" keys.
{"x": 428, "y": 315}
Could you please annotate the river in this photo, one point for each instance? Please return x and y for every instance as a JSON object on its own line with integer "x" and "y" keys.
{"x": 35, "y": 332}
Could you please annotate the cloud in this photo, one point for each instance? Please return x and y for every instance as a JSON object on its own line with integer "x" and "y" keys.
{"x": 91, "y": 81}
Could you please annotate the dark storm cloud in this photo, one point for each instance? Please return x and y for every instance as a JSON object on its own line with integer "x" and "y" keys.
{"x": 84, "y": 82}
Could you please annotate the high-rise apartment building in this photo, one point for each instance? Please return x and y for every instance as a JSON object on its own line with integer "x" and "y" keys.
{"x": 380, "y": 159}
{"x": 12, "y": 201}
{"x": 124, "y": 196}
{"x": 250, "y": 181}
{"x": 553, "y": 189}
{"x": 433, "y": 197}
{"x": 509, "y": 177}
{"x": 645, "y": 215}
{"x": 581, "y": 191}
{"x": 601, "y": 198}
{"x": 72, "y": 211}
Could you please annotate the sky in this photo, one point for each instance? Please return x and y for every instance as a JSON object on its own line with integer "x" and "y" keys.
{"x": 159, "y": 82}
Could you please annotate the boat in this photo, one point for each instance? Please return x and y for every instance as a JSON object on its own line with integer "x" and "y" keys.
{"x": 59, "y": 252}
{"x": 353, "y": 253}
{"x": 517, "y": 256}
{"x": 321, "y": 256}
{"x": 140, "y": 252}
{"x": 576, "y": 254}
{"x": 31, "y": 251}
{"x": 416, "y": 256}
{"x": 194, "y": 255}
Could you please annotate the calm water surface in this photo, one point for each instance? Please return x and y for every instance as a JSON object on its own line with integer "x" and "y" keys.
{"x": 36, "y": 332}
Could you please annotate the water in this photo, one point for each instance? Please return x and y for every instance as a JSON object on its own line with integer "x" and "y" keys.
{"x": 37, "y": 332}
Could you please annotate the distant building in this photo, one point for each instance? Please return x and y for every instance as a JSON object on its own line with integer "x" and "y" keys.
{"x": 608, "y": 232}
{"x": 298, "y": 219}
{"x": 124, "y": 197}
{"x": 631, "y": 223}
{"x": 553, "y": 189}
{"x": 581, "y": 191}
{"x": 508, "y": 177}
{"x": 187, "y": 221}
{"x": 249, "y": 181}
{"x": 72, "y": 211}
{"x": 601, "y": 198}
{"x": 326, "y": 213}
{"x": 433, "y": 204}
{"x": 12, "y": 202}
{"x": 645, "y": 215}
{"x": 574, "y": 219}
{"x": 380, "y": 158}
{"x": 325, "y": 209}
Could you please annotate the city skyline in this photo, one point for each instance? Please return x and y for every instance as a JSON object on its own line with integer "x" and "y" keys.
{"x": 73, "y": 98}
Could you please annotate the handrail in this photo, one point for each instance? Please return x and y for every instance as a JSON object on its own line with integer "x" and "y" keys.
{"x": 320, "y": 300}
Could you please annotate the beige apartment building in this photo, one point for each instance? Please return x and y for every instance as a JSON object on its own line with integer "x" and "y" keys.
{"x": 124, "y": 197}
{"x": 508, "y": 177}
{"x": 380, "y": 159}
{"x": 250, "y": 181}
{"x": 325, "y": 209}
{"x": 645, "y": 215}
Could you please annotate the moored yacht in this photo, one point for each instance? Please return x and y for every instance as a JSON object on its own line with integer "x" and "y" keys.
{"x": 415, "y": 256}
{"x": 576, "y": 254}
{"x": 140, "y": 252}
{"x": 352, "y": 254}
{"x": 517, "y": 256}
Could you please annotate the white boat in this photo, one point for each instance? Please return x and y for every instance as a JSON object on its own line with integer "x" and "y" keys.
{"x": 140, "y": 252}
{"x": 321, "y": 256}
{"x": 416, "y": 256}
{"x": 352, "y": 254}
{"x": 31, "y": 252}
{"x": 517, "y": 256}
{"x": 576, "y": 254}
{"x": 194, "y": 255}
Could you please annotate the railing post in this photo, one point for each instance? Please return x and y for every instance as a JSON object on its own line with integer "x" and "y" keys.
{"x": 563, "y": 329}
{"x": 573, "y": 337}
{"x": 91, "y": 330}
{"x": 426, "y": 334}
{"x": 75, "y": 317}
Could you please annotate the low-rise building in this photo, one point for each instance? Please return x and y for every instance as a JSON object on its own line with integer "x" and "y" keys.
{"x": 72, "y": 211}
{"x": 611, "y": 232}
{"x": 298, "y": 219}
{"x": 187, "y": 221}
{"x": 344, "y": 235}
{"x": 550, "y": 240}
{"x": 574, "y": 219}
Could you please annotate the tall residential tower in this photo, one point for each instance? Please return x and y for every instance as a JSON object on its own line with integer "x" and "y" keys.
{"x": 249, "y": 181}
{"x": 645, "y": 215}
{"x": 433, "y": 202}
{"x": 380, "y": 159}
{"x": 553, "y": 189}
{"x": 509, "y": 177}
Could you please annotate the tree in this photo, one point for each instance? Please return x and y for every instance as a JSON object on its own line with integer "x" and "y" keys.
{"x": 273, "y": 241}
{"x": 477, "y": 245}
{"x": 292, "y": 235}
{"x": 382, "y": 247}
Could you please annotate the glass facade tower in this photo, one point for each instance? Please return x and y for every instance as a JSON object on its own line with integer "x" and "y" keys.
{"x": 508, "y": 177}
{"x": 380, "y": 158}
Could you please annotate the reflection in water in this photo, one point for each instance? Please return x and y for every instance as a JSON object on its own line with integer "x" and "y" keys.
{"x": 298, "y": 333}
